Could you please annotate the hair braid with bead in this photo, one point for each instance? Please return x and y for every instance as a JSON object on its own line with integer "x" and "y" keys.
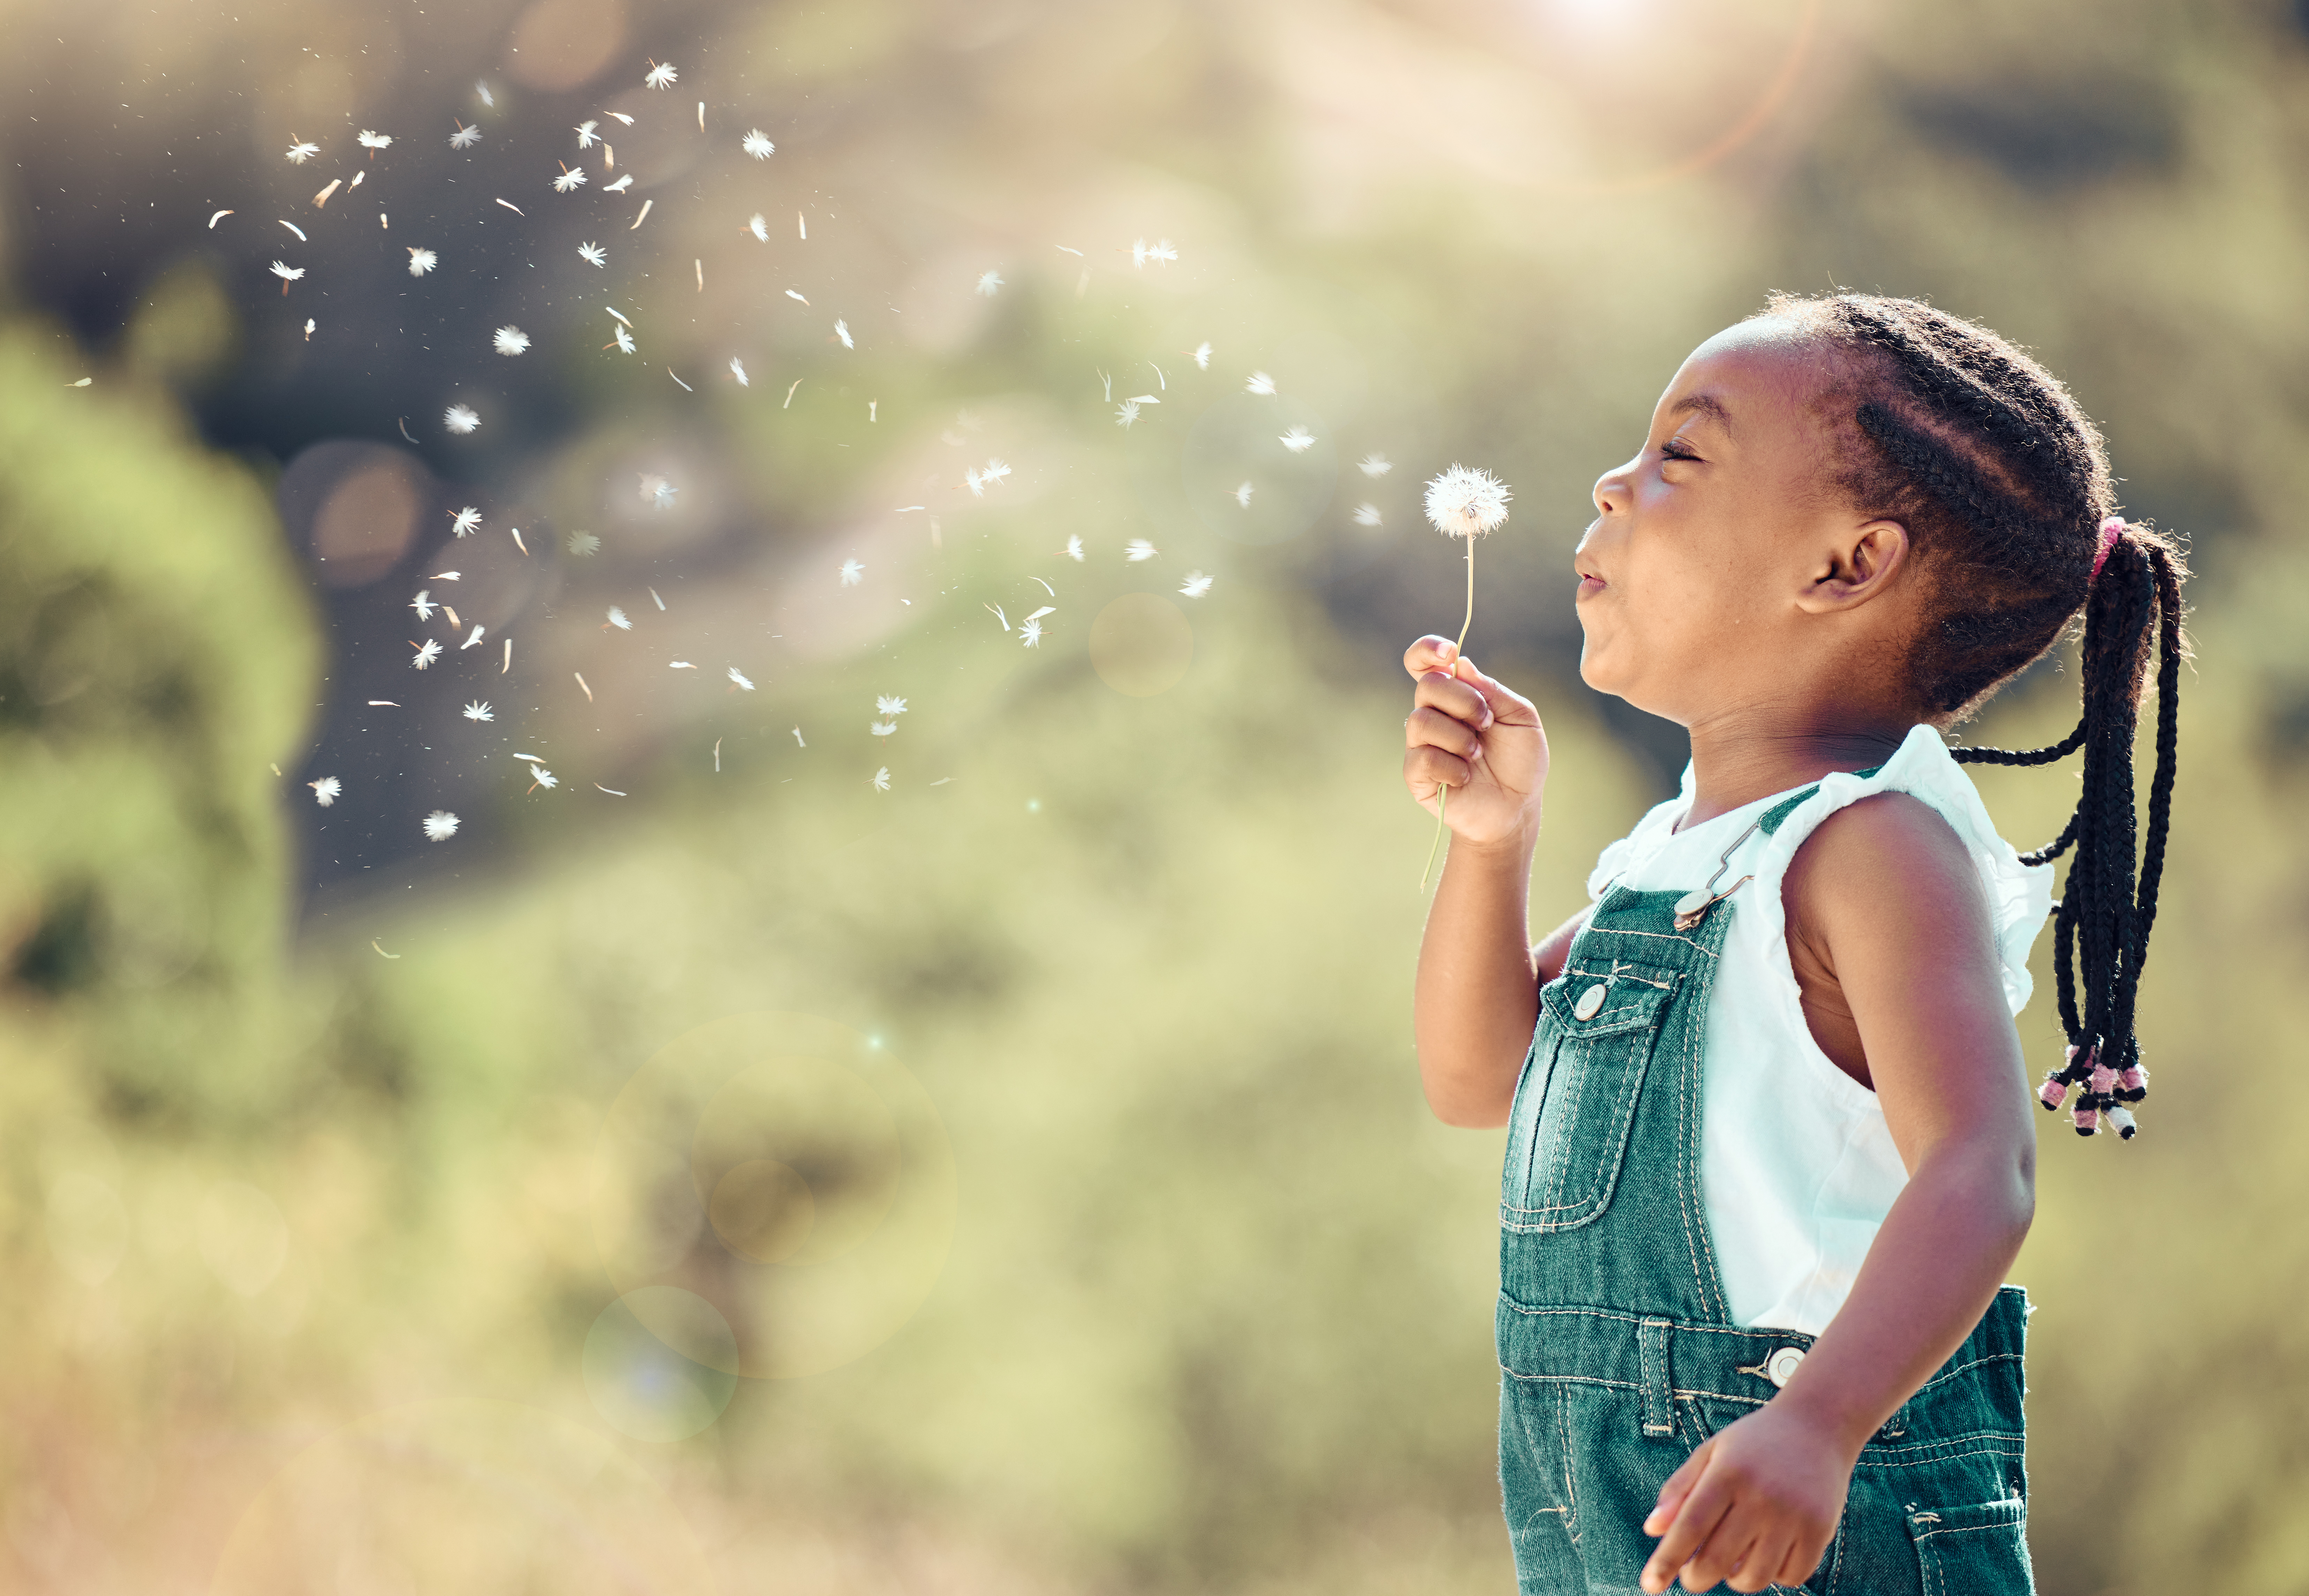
{"x": 2004, "y": 486}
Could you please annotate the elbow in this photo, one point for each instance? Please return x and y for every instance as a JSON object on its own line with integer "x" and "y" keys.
{"x": 1464, "y": 1111}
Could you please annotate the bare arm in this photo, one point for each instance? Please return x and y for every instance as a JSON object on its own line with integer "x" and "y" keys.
{"x": 1477, "y": 995}
{"x": 1886, "y": 896}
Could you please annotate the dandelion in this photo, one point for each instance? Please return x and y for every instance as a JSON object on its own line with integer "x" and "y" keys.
{"x": 1260, "y": 384}
{"x": 740, "y": 677}
{"x": 1375, "y": 465}
{"x": 995, "y": 471}
{"x": 464, "y": 138}
{"x": 1367, "y": 515}
{"x": 1125, "y": 412}
{"x": 852, "y": 571}
{"x": 1139, "y": 549}
{"x": 480, "y": 711}
{"x": 1030, "y": 633}
{"x": 881, "y": 779}
{"x": 1142, "y": 252}
{"x": 1196, "y": 585}
{"x": 475, "y": 638}
{"x": 571, "y": 177}
{"x": 464, "y": 521}
{"x": 662, "y": 75}
{"x": 421, "y": 261}
{"x": 372, "y": 140}
{"x": 326, "y": 790}
{"x": 620, "y": 186}
{"x": 541, "y": 777}
{"x": 757, "y": 144}
{"x": 1243, "y": 495}
{"x": 286, "y": 274}
{"x": 423, "y": 604}
{"x": 989, "y": 283}
{"x": 883, "y": 728}
{"x": 623, "y": 340}
{"x": 581, "y": 544}
{"x": 460, "y": 418}
{"x": 592, "y": 255}
{"x": 1297, "y": 440}
{"x": 488, "y": 98}
{"x": 738, "y": 370}
{"x": 618, "y": 619}
{"x": 842, "y": 331}
{"x": 1073, "y": 548}
{"x": 299, "y": 154}
{"x": 1466, "y": 502}
{"x": 886, "y": 705}
{"x": 427, "y": 653}
{"x": 759, "y": 225}
{"x": 974, "y": 482}
{"x": 586, "y": 136}
{"x": 510, "y": 340}
{"x": 440, "y": 826}
{"x": 1202, "y": 353}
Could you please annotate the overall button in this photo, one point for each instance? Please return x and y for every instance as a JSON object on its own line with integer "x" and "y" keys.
{"x": 1590, "y": 1002}
{"x": 1782, "y": 1363}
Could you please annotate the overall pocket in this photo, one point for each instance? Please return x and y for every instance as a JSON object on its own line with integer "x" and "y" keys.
{"x": 1981, "y": 1550}
{"x": 1576, "y": 1103}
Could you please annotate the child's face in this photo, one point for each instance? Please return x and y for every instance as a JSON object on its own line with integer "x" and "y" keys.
{"x": 1723, "y": 574}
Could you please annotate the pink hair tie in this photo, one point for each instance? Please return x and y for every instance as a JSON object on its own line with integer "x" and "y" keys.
{"x": 2111, "y": 530}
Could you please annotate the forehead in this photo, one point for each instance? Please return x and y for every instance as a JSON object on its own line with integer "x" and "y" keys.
{"x": 1758, "y": 378}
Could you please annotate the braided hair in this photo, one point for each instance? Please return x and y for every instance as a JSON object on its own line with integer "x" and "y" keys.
{"x": 2004, "y": 485}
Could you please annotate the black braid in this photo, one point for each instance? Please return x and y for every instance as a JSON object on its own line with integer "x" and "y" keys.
{"x": 2004, "y": 486}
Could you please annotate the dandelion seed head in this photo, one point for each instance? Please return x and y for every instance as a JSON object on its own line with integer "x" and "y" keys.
{"x": 625, "y": 341}
{"x": 592, "y": 255}
{"x": 662, "y": 75}
{"x": 421, "y": 261}
{"x": 460, "y": 418}
{"x": 326, "y": 790}
{"x": 480, "y": 711}
{"x": 1297, "y": 440}
{"x": 1259, "y": 383}
{"x": 1139, "y": 548}
{"x": 464, "y": 138}
{"x": 989, "y": 283}
{"x": 1203, "y": 356}
{"x": 440, "y": 826}
{"x": 1243, "y": 495}
{"x": 464, "y": 521}
{"x": 741, "y": 678}
{"x": 586, "y": 138}
{"x": 285, "y": 272}
{"x": 758, "y": 144}
{"x": 1367, "y": 515}
{"x": 620, "y": 186}
{"x": 571, "y": 177}
{"x": 1375, "y": 465}
{"x": 1030, "y": 633}
{"x": 1196, "y": 585}
{"x": 617, "y": 617}
{"x": 427, "y": 653}
{"x": 883, "y": 728}
{"x": 1125, "y": 412}
{"x": 851, "y": 572}
{"x": 738, "y": 370}
{"x": 881, "y": 779}
{"x": 886, "y": 705}
{"x": 510, "y": 340}
{"x": 1465, "y": 502}
{"x": 543, "y": 777}
{"x": 1074, "y": 549}
{"x": 842, "y": 331}
{"x": 367, "y": 140}
{"x": 759, "y": 225}
{"x": 581, "y": 544}
{"x": 299, "y": 154}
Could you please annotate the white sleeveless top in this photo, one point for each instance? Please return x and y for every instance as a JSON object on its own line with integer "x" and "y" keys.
{"x": 1798, "y": 1168}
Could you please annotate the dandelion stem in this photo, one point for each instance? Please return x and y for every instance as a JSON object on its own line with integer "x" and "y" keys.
{"x": 1443, "y": 793}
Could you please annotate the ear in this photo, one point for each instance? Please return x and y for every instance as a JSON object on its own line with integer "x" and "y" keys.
{"x": 1861, "y": 565}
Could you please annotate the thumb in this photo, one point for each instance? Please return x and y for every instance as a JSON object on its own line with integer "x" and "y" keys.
{"x": 1508, "y": 705}
{"x": 1678, "y": 1486}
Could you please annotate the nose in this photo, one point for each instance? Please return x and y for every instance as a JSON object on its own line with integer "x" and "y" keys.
{"x": 1612, "y": 492}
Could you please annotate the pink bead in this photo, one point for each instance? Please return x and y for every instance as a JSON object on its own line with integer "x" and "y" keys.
{"x": 2053, "y": 1093}
{"x": 2088, "y": 1120}
{"x": 2134, "y": 1078}
{"x": 2104, "y": 1079}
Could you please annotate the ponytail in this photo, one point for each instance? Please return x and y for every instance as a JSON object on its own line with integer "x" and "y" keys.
{"x": 2100, "y": 928}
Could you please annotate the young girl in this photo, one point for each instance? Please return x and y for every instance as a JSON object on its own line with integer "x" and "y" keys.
{"x": 1769, "y": 1153}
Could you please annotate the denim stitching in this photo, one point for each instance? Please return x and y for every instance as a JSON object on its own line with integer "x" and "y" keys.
{"x": 1570, "y": 1479}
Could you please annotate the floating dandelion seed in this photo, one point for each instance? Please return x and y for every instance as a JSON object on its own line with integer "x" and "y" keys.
{"x": 286, "y": 274}
{"x": 460, "y": 418}
{"x": 1139, "y": 549}
{"x": 886, "y": 705}
{"x": 592, "y": 255}
{"x": 663, "y": 498}
{"x": 326, "y": 790}
{"x": 586, "y": 137}
{"x": 1196, "y": 585}
{"x": 372, "y": 140}
{"x": 464, "y": 521}
{"x": 756, "y": 145}
{"x": 881, "y": 779}
{"x": 1202, "y": 353}
{"x": 293, "y": 227}
{"x": 299, "y": 154}
{"x": 996, "y": 611}
{"x": 1463, "y": 502}
{"x": 740, "y": 677}
{"x": 1073, "y": 548}
{"x": 1243, "y": 495}
{"x": 475, "y": 638}
{"x": 1297, "y": 440}
{"x": 883, "y": 728}
{"x": 423, "y": 604}
{"x": 1260, "y": 384}
{"x": 842, "y": 331}
{"x": 1367, "y": 515}
{"x": 1142, "y": 252}
{"x": 759, "y": 225}
{"x": 738, "y": 370}
{"x": 1125, "y": 412}
{"x": 488, "y": 98}
{"x": 541, "y": 777}
{"x": 571, "y": 177}
{"x": 421, "y": 261}
{"x": 662, "y": 75}
{"x": 989, "y": 283}
{"x": 1030, "y": 633}
{"x": 309, "y": 324}
{"x": 995, "y": 471}
{"x": 440, "y": 826}
{"x": 974, "y": 482}
{"x": 852, "y": 571}
{"x": 623, "y": 340}
{"x": 618, "y": 619}
{"x": 480, "y": 711}
{"x": 619, "y": 186}
{"x": 798, "y": 742}
{"x": 1375, "y": 465}
{"x": 427, "y": 653}
{"x": 581, "y": 544}
{"x": 510, "y": 340}
{"x": 464, "y": 138}
{"x": 1046, "y": 609}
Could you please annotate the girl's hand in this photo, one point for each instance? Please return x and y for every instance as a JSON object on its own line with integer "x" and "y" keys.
{"x": 1757, "y": 1503}
{"x": 1480, "y": 739}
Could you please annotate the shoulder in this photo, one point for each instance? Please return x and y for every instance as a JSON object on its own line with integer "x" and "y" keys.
{"x": 1890, "y": 863}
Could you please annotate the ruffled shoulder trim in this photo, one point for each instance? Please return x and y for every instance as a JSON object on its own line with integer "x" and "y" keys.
{"x": 1658, "y": 824}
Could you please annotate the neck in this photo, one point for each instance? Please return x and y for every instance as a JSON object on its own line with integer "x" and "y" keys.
{"x": 1743, "y": 755}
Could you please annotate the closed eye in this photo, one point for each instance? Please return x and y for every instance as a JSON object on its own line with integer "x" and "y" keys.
{"x": 1677, "y": 449}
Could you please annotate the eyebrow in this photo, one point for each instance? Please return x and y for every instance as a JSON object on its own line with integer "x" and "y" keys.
{"x": 1707, "y": 404}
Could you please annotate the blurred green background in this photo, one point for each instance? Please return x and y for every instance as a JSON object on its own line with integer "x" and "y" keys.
{"x": 716, "y": 1172}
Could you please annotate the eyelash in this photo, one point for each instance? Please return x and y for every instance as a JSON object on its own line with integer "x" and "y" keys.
{"x": 1668, "y": 450}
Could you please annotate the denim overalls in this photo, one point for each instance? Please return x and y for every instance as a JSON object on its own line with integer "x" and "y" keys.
{"x": 1616, "y": 1353}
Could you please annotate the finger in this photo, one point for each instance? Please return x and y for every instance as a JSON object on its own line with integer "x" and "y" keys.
{"x": 1801, "y": 1558}
{"x": 1694, "y": 1522}
{"x": 1678, "y": 1486}
{"x": 1504, "y": 701}
{"x": 1430, "y": 653}
{"x": 1427, "y": 769}
{"x": 1432, "y": 729}
{"x": 1756, "y": 1567}
{"x": 1460, "y": 700}
{"x": 1721, "y": 1558}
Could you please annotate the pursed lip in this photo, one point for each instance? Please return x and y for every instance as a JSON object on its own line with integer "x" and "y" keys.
{"x": 1589, "y": 582}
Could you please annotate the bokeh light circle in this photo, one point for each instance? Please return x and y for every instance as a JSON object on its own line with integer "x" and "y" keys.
{"x": 784, "y": 1172}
